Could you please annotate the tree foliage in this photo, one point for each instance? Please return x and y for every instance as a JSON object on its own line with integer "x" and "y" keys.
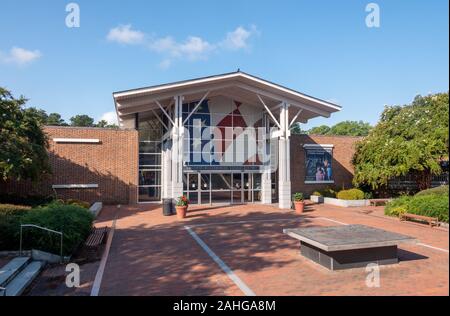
{"x": 345, "y": 128}
{"x": 55, "y": 119}
{"x": 410, "y": 139}
{"x": 82, "y": 120}
{"x": 297, "y": 129}
{"x": 319, "y": 130}
{"x": 23, "y": 144}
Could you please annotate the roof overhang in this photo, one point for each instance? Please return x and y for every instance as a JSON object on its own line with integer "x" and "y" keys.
{"x": 238, "y": 85}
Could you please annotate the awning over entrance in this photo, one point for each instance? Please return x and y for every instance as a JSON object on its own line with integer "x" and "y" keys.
{"x": 238, "y": 85}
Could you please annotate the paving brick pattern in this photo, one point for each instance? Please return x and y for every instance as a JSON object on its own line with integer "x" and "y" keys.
{"x": 154, "y": 255}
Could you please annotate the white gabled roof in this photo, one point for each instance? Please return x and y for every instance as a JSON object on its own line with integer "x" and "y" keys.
{"x": 251, "y": 85}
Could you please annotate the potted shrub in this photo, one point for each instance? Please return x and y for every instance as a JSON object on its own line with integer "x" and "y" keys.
{"x": 299, "y": 203}
{"x": 181, "y": 206}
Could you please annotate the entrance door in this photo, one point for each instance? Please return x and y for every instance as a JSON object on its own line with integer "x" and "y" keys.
{"x": 221, "y": 187}
{"x": 237, "y": 188}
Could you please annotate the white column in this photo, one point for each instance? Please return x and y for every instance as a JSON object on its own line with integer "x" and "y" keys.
{"x": 284, "y": 183}
{"x": 266, "y": 180}
{"x": 166, "y": 169}
{"x": 177, "y": 149}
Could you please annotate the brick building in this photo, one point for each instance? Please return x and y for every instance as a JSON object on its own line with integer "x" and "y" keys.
{"x": 219, "y": 139}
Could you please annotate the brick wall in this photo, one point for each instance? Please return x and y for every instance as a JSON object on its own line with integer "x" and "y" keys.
{"x": 112, "y": 164}
{"x": 342, "y": 167}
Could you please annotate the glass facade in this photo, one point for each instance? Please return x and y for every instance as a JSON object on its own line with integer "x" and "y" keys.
{"x": 150, "y": 134}
{"x": 223, "y": 146}
{"x": 233, "y": 188}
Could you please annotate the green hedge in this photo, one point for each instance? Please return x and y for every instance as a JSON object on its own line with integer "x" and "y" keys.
{"x": 442, "y": 190}
{"x": 397, "y": 206}
{"x": 352, "y": 194}
{"x": 74, "y": 221}
{"x": 433, "y": 205}
{"x": 430, "y": 205}
{"x": 328, "y": 192}
{"x": 10, "y": 217}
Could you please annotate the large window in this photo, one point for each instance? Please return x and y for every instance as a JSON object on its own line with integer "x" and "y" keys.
{"x": 222, "y": 132}
{"x": 318, "y": 163}
{"x": 150, "y": 134}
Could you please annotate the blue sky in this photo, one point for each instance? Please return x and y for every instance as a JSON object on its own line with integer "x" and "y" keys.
{"x": 322, "y": 48}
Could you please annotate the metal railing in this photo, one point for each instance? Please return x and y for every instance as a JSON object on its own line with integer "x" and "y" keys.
{"x": 46, "y": 229}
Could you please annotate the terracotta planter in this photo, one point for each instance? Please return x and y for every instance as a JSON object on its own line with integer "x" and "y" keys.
{"x": 181, "y": 211}
{"x": 299, "y": 206}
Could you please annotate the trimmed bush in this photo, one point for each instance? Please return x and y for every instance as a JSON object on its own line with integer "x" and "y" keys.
{"x": 11, "y": 209}
{"x": 397, "y": 206}
{"x": 442, "y": 190}
{"x": 10, "y": 217}
{"x": 351, "y": 194}
{"x": 74, "y": 221}
{"x": 328, "y": 192}
{"x": 433, "y": 205}
{"x": 80, "y": 203}
{"x": 430, "y": 205}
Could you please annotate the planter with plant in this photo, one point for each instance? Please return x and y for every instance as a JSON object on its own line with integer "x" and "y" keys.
{"x": 181, "y": 206}
{"x": 299, "y": 203}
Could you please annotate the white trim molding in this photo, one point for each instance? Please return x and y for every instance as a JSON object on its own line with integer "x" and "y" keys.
{"x": 77, "y": 140}
{"x": 318, "y": 146}
{"x": 74, "y": 186}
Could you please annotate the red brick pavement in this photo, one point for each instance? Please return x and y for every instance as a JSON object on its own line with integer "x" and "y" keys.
{"x": 154, "y": 255}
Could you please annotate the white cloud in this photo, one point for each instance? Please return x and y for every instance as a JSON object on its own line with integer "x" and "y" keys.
{"x": 124, "y": 34}
{"x": 238, "y": 39}
{"x": 19, "y": 56}
{"x": 192, "y": 48}
{"x": 110, "y": 117}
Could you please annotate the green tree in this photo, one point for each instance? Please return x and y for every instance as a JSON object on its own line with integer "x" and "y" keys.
{"x": 101, "y": 123}
{"x": 345, "y": 128}
{"x": 296, "y": 129}
{"x": 23, "y": 144}
{"x": 350, "y": 128}
{"x": 411, "y": 139}
{"x": 82, "y": 120}
{"x": 40, "y": 115}
{"x": 55, "y": 119}
{"x": 319, "y": 130}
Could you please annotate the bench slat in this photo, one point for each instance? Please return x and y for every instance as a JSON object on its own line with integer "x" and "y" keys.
{"x": 430, "y": 220}
{"x": 96, "y": 237}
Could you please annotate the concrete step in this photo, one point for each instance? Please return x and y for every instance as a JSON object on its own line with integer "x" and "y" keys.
{"x": 12, "y": 268}
{"x": 20, "y": 282}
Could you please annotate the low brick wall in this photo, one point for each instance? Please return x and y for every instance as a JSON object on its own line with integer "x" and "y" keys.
{"x": 112, "y": 164}
{"x": 344, "y": 148}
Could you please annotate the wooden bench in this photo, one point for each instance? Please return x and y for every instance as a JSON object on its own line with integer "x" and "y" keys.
{"x": 430, "y": 220}
{"x": 97, "y": 237}
{"x": 375, "y": 202}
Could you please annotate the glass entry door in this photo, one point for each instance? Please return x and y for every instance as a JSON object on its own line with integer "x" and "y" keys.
{"x": 222, "y": 188}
